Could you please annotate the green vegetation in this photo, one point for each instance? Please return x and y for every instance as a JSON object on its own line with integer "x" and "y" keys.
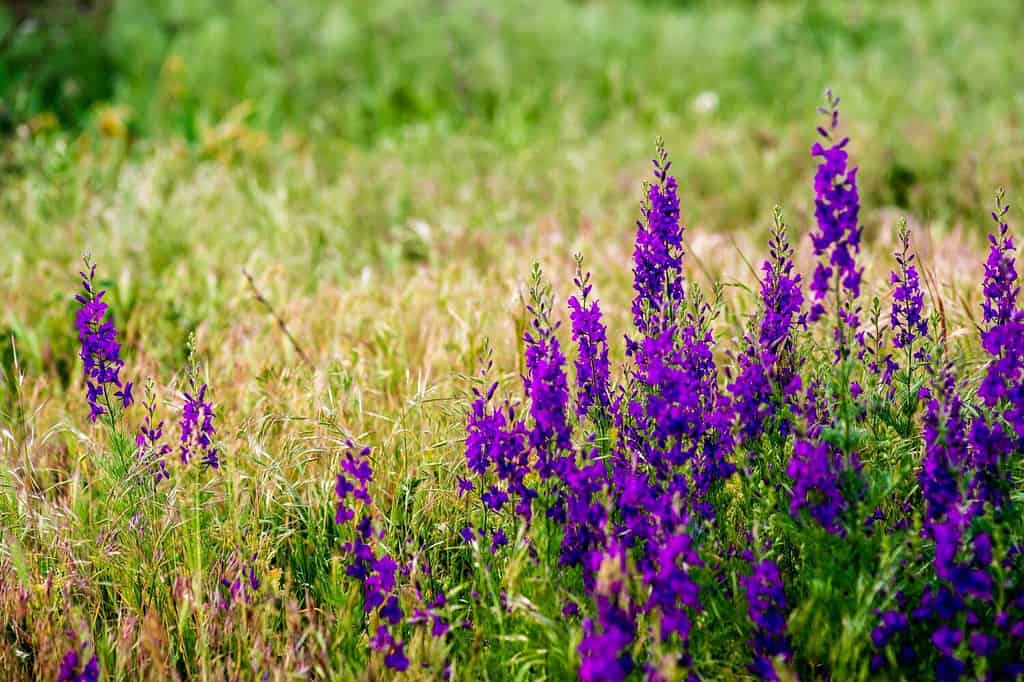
{"x": 387, "y": 171}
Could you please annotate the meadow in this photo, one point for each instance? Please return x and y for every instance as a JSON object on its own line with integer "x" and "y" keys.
{"x": 408, "y": 363}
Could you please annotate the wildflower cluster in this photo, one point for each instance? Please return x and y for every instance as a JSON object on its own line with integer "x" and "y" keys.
{"x": 365, "y": 559}
{"x": 837, "y": 211}
{"x": 101, "y": 352}
{"x": 641, "y": 478}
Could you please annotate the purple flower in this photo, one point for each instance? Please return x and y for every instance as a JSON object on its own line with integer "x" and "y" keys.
{"x": 767, "y": 380}
{"x": 196, "y": 427}
{"x": 151, "y": 449}
{"x": 1000, "y": 430}
{"x": 590, "y": 336}
{"x": 498, "y": 540}
{"x": 1000, "y": 286}
{"x": 946, "y": 455}
{"x": 836, "y": 209}
{"x": 545, "y": 383}
{"x": 766, "y": 607}
{"x": 906, "y": 317}
{"x": 816, "y": 470}
{"x": 100, "y": 351}
{"x": 604, "y": 650}
{"x": 673, "y": 592}
{"x": 658, "y": 252}
{"x": 394, "y": 651}
{"x": 75, "y": 667}
{"x": 239, "y": 581}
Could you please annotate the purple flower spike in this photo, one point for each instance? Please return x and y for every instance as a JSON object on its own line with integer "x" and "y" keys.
{"x": 658, "y": 252}
{"x": 151, "y": 448}
{"x": 75, "y": 667}
{"x": 767, "y": 378}
{"x": 590, "y": 335}
{"x": 100, "y": 352}
{"x": 766, "y": 606}
{"x": 196, "y": 427}
{"x": 836, "y": 209}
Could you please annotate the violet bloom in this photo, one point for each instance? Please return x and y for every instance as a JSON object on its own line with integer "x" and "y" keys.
{"x": 439, "y": 627}
{"x": 767, "y": 380}
{"x": 74, "y": 667}
{"x": 496, "y": 441}
{"x": 767, "y": 609}
{"x": 152, "y": 451}
{"x": 836, "y": 209}
{"x": 906, "y": 318}
{"x": 673, "y": 593}
{"x": 946, "y": 456}
{"x": 353, "y": 482}
{"x": 604, "y": 649}
{"x": 590, "y": 336}
{"x": 394, "y": 651}
{"x": 658, "y": 252}
{"x": 545, "y": 383}
{"x": 681, "y": 422}
{"x": 1001, "y": 431}
{"x": 239, "y": 582}
{"x": 816, "y": 471}
{"x": 1000, "y": 286}
{"x": 196, "y": 427}
{"x": 100, "y": 352}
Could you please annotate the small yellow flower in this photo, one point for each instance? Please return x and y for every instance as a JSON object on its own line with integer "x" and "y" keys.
{"x": 111, "y": 122}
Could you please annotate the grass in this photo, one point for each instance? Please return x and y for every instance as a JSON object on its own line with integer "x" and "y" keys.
{"x": 388, "y": 172}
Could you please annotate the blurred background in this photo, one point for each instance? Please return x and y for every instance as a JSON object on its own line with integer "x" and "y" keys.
{"x": 320, "y": 143}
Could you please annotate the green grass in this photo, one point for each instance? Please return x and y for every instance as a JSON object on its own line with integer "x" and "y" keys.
{"x": 387, "y": 171}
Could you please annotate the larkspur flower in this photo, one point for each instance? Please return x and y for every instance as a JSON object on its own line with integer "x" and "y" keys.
{"x": 196, "y": 427}
{"x": 816, "y": 470}
{"x": 150, "y": 446}
{"x": 364, "y": 561}
{"x": 767, "y": 609}
{"x": 394, "y": 650}
{"x": 767, "y": 380}
{"x": 658, "y": 252}
{"x": 100, "y": 350}
{"x": 907, "y": 318}
{"x": 590, "y": 336}
{"x": 239, "y": 583}
{"x": 836, "y": 210}
{"x": 674, "y": 595}
{"x": 947, "y": 455}
{"x": 76, "y": 665}
{"x": 604, "y": 649}
{"x": 1001, "y": 432}
{"x": 682, "y": 422}
{"x": 496, "y": 442}
{"x": 1000, "y": 286}
{"x": 545, "y": 383}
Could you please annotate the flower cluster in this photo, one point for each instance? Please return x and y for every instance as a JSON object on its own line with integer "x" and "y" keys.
{"x": 767, "y": 609}
{"x": 151, "y": 448}
{"x": 836, "y": 210}
{"x": 238, "y": 583}
{"x": 364, "y": 558}
{"x": 590, "y": 336}
{"x": 906, "y": 318}
{"x": 658, "y": 252}
{"x": 767, "y": 382}
{"x": 605, "y": 649}
{"x": 816, "y": 470}
{"x": 100, "y": 352}
{"x": 196, "y": 427}
{"x": 78, "y": 665}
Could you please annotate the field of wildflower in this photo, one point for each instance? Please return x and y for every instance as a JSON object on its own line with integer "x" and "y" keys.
{"x": 390, "y": 348}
